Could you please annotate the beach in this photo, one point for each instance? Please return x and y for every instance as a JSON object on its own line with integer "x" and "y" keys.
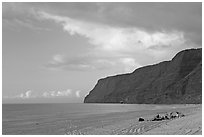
{"x": 107, "y": 119}
{"x": 190, "y": 124}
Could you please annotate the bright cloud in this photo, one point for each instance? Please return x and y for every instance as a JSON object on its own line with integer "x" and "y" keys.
{"x": 115, "y": 38}
{"x": 77, "y": 93}
{"x": 47, "y": 94}
{"x": 64, "y": 93}
{"x": 130, "y": 64}
{"x": 114, "y": 46}
{"x": 27, "y": 94}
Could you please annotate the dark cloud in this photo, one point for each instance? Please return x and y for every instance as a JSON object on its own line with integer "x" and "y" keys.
{"x": 185, "y": 16}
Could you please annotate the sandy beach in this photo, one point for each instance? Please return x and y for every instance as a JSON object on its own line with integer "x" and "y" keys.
{"x": 190, "y": 124}
{"x": 117, "y": 122}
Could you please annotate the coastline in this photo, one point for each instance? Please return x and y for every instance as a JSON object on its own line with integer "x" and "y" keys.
{"x": 190, "y": 124}
{"x": 120, "y": 121}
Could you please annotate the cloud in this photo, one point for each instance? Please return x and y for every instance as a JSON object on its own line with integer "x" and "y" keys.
{"x": 185, "y": 17}
{"x": 124, "y": 31}
{"x": 21, "y": 15}
{"x": 118, "y": 39}
{"x": 77, "y": 93}
{"x": 47, "y": 94}
{"x": 130, "y": 64}
{"x": 64, "y": 93}
{"x": 26, "y": 95}
{"x": 113, "y": 45}
{"x": 58, "y": 58}
{"x": 89, "y": 63}
{"x": 63, "y": 62}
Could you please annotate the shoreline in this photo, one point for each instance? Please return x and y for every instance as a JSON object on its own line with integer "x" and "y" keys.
{"x": 129, "y": 125}
{"x": 116, "y": 122}
{"x": 191, "y": 124}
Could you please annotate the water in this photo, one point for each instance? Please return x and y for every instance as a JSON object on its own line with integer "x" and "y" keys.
{"x": 12, "y": 112}
{"x": 59, "y": 118}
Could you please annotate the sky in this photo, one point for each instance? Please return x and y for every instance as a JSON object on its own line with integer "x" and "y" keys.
{"x": 56, "y": 52}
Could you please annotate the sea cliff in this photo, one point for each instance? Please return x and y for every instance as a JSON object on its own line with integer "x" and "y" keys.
{"x": 178, "y": 81}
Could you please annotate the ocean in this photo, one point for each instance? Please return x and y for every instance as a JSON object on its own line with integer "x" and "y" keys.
{"x": 61, "y": 118}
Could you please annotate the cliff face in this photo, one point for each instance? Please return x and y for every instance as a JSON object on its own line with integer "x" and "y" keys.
{"x": 169, "y": 82}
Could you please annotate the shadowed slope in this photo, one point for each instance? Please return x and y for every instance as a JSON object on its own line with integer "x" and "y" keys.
{"x": 169, "y": 82}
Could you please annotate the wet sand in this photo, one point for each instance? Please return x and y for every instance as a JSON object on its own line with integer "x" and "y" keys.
{"x": 115, "y": 123}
